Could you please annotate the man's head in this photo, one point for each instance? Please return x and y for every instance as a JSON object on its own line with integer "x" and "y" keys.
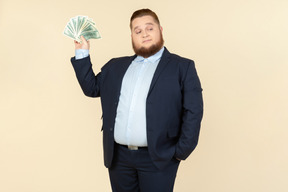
{"x": 146, "y": 33}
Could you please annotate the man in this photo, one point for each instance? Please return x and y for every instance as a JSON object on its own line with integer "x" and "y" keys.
{"x": 152, "y": 108}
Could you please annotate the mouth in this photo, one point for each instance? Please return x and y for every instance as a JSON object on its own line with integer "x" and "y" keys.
{"x": 146, "y": 41}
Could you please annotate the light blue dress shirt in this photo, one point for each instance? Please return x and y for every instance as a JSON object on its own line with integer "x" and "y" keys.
{"x": 81, "y": 53}
{"x": 130, "y": 122}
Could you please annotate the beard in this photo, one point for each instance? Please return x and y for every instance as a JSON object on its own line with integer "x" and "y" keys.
{"x": 147, "y": 52}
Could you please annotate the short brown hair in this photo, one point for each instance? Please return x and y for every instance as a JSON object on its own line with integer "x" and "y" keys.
{"x": 144, "y": 12}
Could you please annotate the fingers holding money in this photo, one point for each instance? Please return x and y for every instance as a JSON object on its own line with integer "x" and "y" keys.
{"x": 84, "y": 44}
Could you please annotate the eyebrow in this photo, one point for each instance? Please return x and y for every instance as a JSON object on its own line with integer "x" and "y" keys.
{"x": 145, "y": 24}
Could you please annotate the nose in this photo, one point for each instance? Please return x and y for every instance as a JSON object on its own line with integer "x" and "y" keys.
{"x": 145, "y": 34}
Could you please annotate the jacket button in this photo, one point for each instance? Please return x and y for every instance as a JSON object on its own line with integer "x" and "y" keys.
{"x": 111, "y": 129}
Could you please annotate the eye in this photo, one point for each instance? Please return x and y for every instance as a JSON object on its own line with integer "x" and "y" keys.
{"x": 138, "y": 31}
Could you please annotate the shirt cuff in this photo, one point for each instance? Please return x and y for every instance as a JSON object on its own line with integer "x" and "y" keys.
{"x": 81, "y": 53}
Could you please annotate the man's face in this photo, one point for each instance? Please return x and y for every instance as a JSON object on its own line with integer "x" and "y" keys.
{"x": 146, "y": 36}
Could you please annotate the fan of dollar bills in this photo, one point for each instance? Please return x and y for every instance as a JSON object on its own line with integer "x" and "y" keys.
{"x": 81, "y": 25}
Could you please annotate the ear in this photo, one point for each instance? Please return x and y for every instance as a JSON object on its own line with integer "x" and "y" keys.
{"x": 161, "y": 28}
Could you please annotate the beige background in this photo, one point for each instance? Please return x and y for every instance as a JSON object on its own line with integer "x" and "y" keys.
{"x": 50, "y": 139}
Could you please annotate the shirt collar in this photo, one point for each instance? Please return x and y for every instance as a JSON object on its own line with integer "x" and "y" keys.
{"x": 152, "y": 58}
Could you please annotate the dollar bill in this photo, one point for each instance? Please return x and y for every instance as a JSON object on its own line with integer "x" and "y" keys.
{"x": 81, "y": 25}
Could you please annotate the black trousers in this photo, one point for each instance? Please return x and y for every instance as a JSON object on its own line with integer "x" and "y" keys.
{"x": 134, "y": 171}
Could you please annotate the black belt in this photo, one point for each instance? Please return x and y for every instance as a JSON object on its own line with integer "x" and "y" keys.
{"x": 131, "y": 147}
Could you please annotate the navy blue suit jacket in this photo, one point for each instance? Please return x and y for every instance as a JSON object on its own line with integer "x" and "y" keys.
{"x": 174, "y": 105}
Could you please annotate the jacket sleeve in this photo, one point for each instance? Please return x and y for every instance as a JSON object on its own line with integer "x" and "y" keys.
{"x": 89, "y": 83}
{"x": 192, "y": 112}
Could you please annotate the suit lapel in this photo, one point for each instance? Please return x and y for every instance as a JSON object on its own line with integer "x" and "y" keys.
{"x": 122, "y": 68}
{"x": 161, "y": 66}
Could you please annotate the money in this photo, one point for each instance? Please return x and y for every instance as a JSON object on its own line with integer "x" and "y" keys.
{"x": 81, "y": 25}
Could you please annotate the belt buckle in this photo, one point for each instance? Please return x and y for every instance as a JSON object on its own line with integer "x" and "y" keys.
{"x": 131, "y": 147}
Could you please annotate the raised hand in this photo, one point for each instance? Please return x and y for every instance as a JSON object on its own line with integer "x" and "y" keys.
{"x": 83, "y": 45}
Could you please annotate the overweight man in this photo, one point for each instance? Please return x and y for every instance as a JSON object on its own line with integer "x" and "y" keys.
{"x": 152, "y": 108}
